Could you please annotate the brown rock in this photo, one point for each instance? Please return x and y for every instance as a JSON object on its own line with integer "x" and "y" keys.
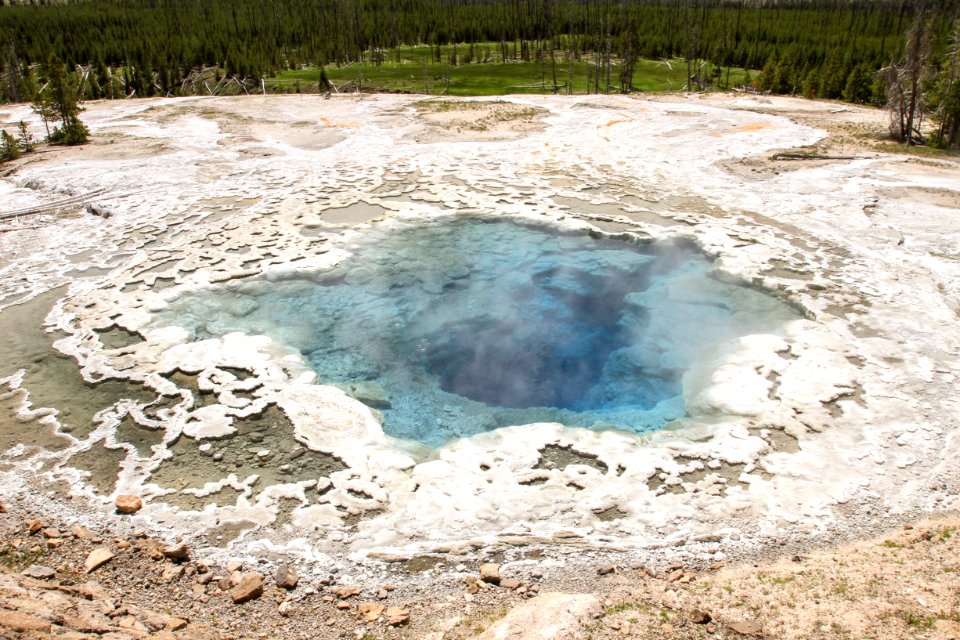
{"x": 130, "y": 623}
{"x": 510, "y": 583}
{"x": 172, "y": 573}
{"x": 39, "y": 572}
{"x": 50, "y": 532}
{"x": 343, "y": 605}
{"x": 700, "y": 617}
{"x": 345, "y": 592}
{"x": 22, "y": 622}
{"x": 747, "y": 627}
{"x": 97, "y": 558}
{"x": 175, "y": 624}
{"x": 564, "y": 614}
{"x": 179, "y": 552}
{"x": 383, "y": 594}
{"x": 250, "y": 587}
{"x": 490, "y": 573}
{"x": 370, "y": 611}
{"x": 606, "y": 569}
{"x": 128, "y": 504}
{"x": 88, "y": 621}
{"x": 397, "y": 616}
{"x": 286, "y": 577}
{"x": 33, "y": 526}
{"x": 151, "y": 548}
{"x": 81, "y": 532}
{"x": 92, "y": 590}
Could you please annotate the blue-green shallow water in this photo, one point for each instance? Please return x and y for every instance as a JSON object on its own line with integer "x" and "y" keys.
{"x": 466, "y": 325}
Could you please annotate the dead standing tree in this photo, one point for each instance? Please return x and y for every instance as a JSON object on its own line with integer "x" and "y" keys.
{"x": 904, "y": 80}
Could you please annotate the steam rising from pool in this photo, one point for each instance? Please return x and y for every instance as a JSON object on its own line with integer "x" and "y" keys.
{"x": 456, "y": 327}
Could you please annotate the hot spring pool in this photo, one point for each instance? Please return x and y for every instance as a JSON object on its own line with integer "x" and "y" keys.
{"x": 454, "y": 327}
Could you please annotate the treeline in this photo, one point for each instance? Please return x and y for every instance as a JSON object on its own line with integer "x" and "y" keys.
{"x": 821, "y": 48}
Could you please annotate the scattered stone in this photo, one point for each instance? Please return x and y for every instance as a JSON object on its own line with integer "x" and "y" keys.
{"x": 383, "y": 594}
{"x": 96, "y": 559}
{"x": 397, "y": 616}
{"x": 285, "y": 608}
{"x": 700, "y": 617}
{"x": 33, "y": 526}
{"x": 473, "y": 585}
{"x": 39, "y": 572}
{"x": 510, "y": 583}
{"x": 178, "y": 552}
{"x": 490, "y": 573}
{"x": 606, "y": 569}
{"x": 370, "y": 611}
{"x": 80, "y": 532}
{"x": 287, "y": 577}
{"x": 122, "y": 544}
{"x": 250, "y": 587}
{"x": 343, "y": 606}
{"x": 172, "y": 573}
{"x": 746, "y": 628}
{"x": 50, "y": 532}
{"x": 234, "y": 565}
{"x": 175, "y": 624}
{"x": 552, "y": 616}
{"x": 128, "y": 504}
{"x": 345, "y": 592}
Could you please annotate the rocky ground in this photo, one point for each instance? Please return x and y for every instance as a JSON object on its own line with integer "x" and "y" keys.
{"x": 66, "y": 581}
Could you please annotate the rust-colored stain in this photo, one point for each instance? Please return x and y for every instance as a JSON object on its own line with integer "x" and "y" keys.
{"x": 613, "y": 122}
{"x": 329, "y": 123}
{"x": 750, "y": 126}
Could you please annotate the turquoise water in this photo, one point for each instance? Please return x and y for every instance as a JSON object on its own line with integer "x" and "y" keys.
{"x": 459, "y": 326}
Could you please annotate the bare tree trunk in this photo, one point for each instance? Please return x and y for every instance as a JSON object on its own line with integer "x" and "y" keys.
{"x": 904, "y": 80}
{"x": 918, "y": 50}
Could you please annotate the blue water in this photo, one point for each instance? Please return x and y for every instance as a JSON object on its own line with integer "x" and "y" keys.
{"x": 465, "y": 325}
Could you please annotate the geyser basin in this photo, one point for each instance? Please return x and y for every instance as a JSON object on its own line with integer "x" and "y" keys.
{"x": 459, "y": 326}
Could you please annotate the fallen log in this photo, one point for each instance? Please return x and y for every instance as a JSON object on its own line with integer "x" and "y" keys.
{"x": 808, "y": 156}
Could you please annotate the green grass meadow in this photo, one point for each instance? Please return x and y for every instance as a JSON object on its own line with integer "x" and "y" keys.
{"x": 415, "y": 70}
